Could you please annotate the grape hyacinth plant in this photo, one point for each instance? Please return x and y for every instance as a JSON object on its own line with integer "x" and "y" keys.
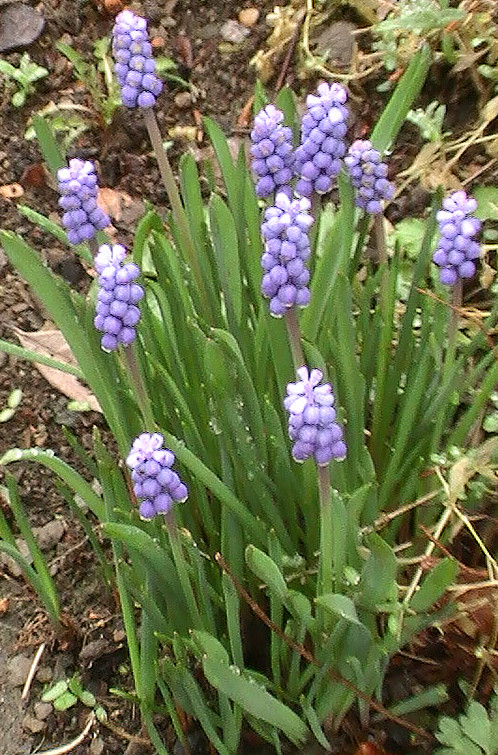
{"x": 368, "y": 176}
{"x": 272, "y": 152}
{"x": 117, "y": 313}
{"x": 134, "y": 65}
{"x": 312, "y": 419}
{"x": 323, "y": 553}
{"x": 154, "y": 482}
{"x": 457, "y": 250}
{"x": 318, "y": 158}
{"x": 78, "y": 187}
{"x": 285, "y": 231}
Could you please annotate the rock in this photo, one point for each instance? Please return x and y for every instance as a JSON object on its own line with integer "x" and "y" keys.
{"x": 248, "y": 16}
{"x": 96, "y": 746}
{"x": 233, "y": 32}
{"x": 19, "y": 666}
{"x": 20, "y": 25}
{"x": 50, "y": 534}
{"x": 337, "y": 42}
{"x": 42, "y": 710}
{"x": 44, "y": 674}
{"x": 183, "y": 100}
{"x": 32, "y": 724}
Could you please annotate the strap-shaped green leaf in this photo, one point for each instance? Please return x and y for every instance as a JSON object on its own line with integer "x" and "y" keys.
{"x": 254, "y": 699}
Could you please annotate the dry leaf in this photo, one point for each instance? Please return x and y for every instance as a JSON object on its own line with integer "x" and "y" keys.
{"x": 119, "y": 205}
{"x": 11, "y": 191}
{"x": 51, "y": 343}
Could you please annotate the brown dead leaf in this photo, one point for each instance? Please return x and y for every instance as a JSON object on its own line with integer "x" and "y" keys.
{"x": 50, "y": 342}
{"x": 119, "y": 205}
{"x": 11, "y": 191}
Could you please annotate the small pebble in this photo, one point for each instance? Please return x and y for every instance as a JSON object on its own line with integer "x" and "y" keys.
{"x": 96, "y": 746}
{"x": 32, "y": 724}
{"x": 19, "y": 666}
{"x": 248, "y": 16}
{"x": 44, "y": 674}
{"x": 42, "y": 710}
{"x": 233, "y": 32}
{"x": 183, "y": 100}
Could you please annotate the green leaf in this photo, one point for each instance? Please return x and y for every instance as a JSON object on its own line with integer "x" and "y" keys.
{"x": 48, "y": 145}
{"x": 434, "y": 585}
{"x": 225, "y": 245}
{"x": 55, "y": 691}
{"x": 267, "y": 571}
{"x": 48, "y": 458}
{"x": 477, "y": 726}
{"x": 65, "y": 701}
{"x": 487, "y": 202}
{"x": 402, "y": 99}
{"x": 340, "y": 605}
{"x": 209, "y": 645}
{"x": 254, "y": 699}
{"x": 378, "y": 578}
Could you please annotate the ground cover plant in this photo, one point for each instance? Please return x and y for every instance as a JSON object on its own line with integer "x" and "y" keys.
{"x": 220, "y": 528}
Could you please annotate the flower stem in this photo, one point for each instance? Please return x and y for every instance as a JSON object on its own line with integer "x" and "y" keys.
{"x": 380, "y": 241}
{"x": 326, "y": 557}
{"x": 130, "y": 356}
{"x": 294, "y": 333}
{"x": 178, "y": 210}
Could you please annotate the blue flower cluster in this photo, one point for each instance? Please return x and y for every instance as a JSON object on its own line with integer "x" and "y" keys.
{"x": 457, "y": 249}
{"x": 312, "y": 419}
{"x": 117, "y": 314}
{"x": 287, "y": 247}
{"x": 323, "y": 131}
{"x": 272, "y": 152}
{"x": 79, "y": 189}
{"x": 134, "y": 65}
{"x": 368, "y": 176}
{"x": 154, "y": 482}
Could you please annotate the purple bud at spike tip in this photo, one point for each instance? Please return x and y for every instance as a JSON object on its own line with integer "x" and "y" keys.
{"x": 117, "y": 314}
{"x": 368, "y": 176}
{"x": 272, "y": 152}
{"x": 312, "y": 419}
{"x": 154, "y": 482}
{"x": 134, "y": 65}
{"x": 457, "y": 250}
{"x": 79, "y": 189}
{"x": 287, "y": 248}
{"x": 323, "y": 130}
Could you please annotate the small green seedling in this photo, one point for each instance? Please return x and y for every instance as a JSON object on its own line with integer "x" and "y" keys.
{"x": 475, "y": 732}
{"x": 13, "y": 401}
{"x": 65, "y": 693}
{"x": 24, "y": 77}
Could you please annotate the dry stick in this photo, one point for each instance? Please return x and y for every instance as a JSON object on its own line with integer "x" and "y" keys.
{"x": 304, "y": 653}
{"x": 32, "y": 671}
{"x": 468, "y": 316}
{"x": 75, "y": 742}
{"x": 292, "y": 46}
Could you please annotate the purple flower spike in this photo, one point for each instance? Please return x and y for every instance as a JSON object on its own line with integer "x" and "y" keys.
{"x": 323, "y": 130}
{"x": 154, "y": 482}
{"x": 117, "y": 314}
{"x": 368, "y": 176}
{"x": 287, "y": 248}
{"x": 312, "y": 416}
{"x": 272, "y": 152}
{"x": 78, "y": 188}
{"x": 133, "y": 62}
{"x": 457, "y": 249}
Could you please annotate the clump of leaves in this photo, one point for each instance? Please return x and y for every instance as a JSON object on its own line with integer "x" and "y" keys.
{"x": 474, "y": 732}
{"x": 24, "y": 77}
{"x": 65, "y": 693}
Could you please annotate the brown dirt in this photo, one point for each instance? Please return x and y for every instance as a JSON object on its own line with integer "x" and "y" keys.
{"x": 94, "y": 644}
